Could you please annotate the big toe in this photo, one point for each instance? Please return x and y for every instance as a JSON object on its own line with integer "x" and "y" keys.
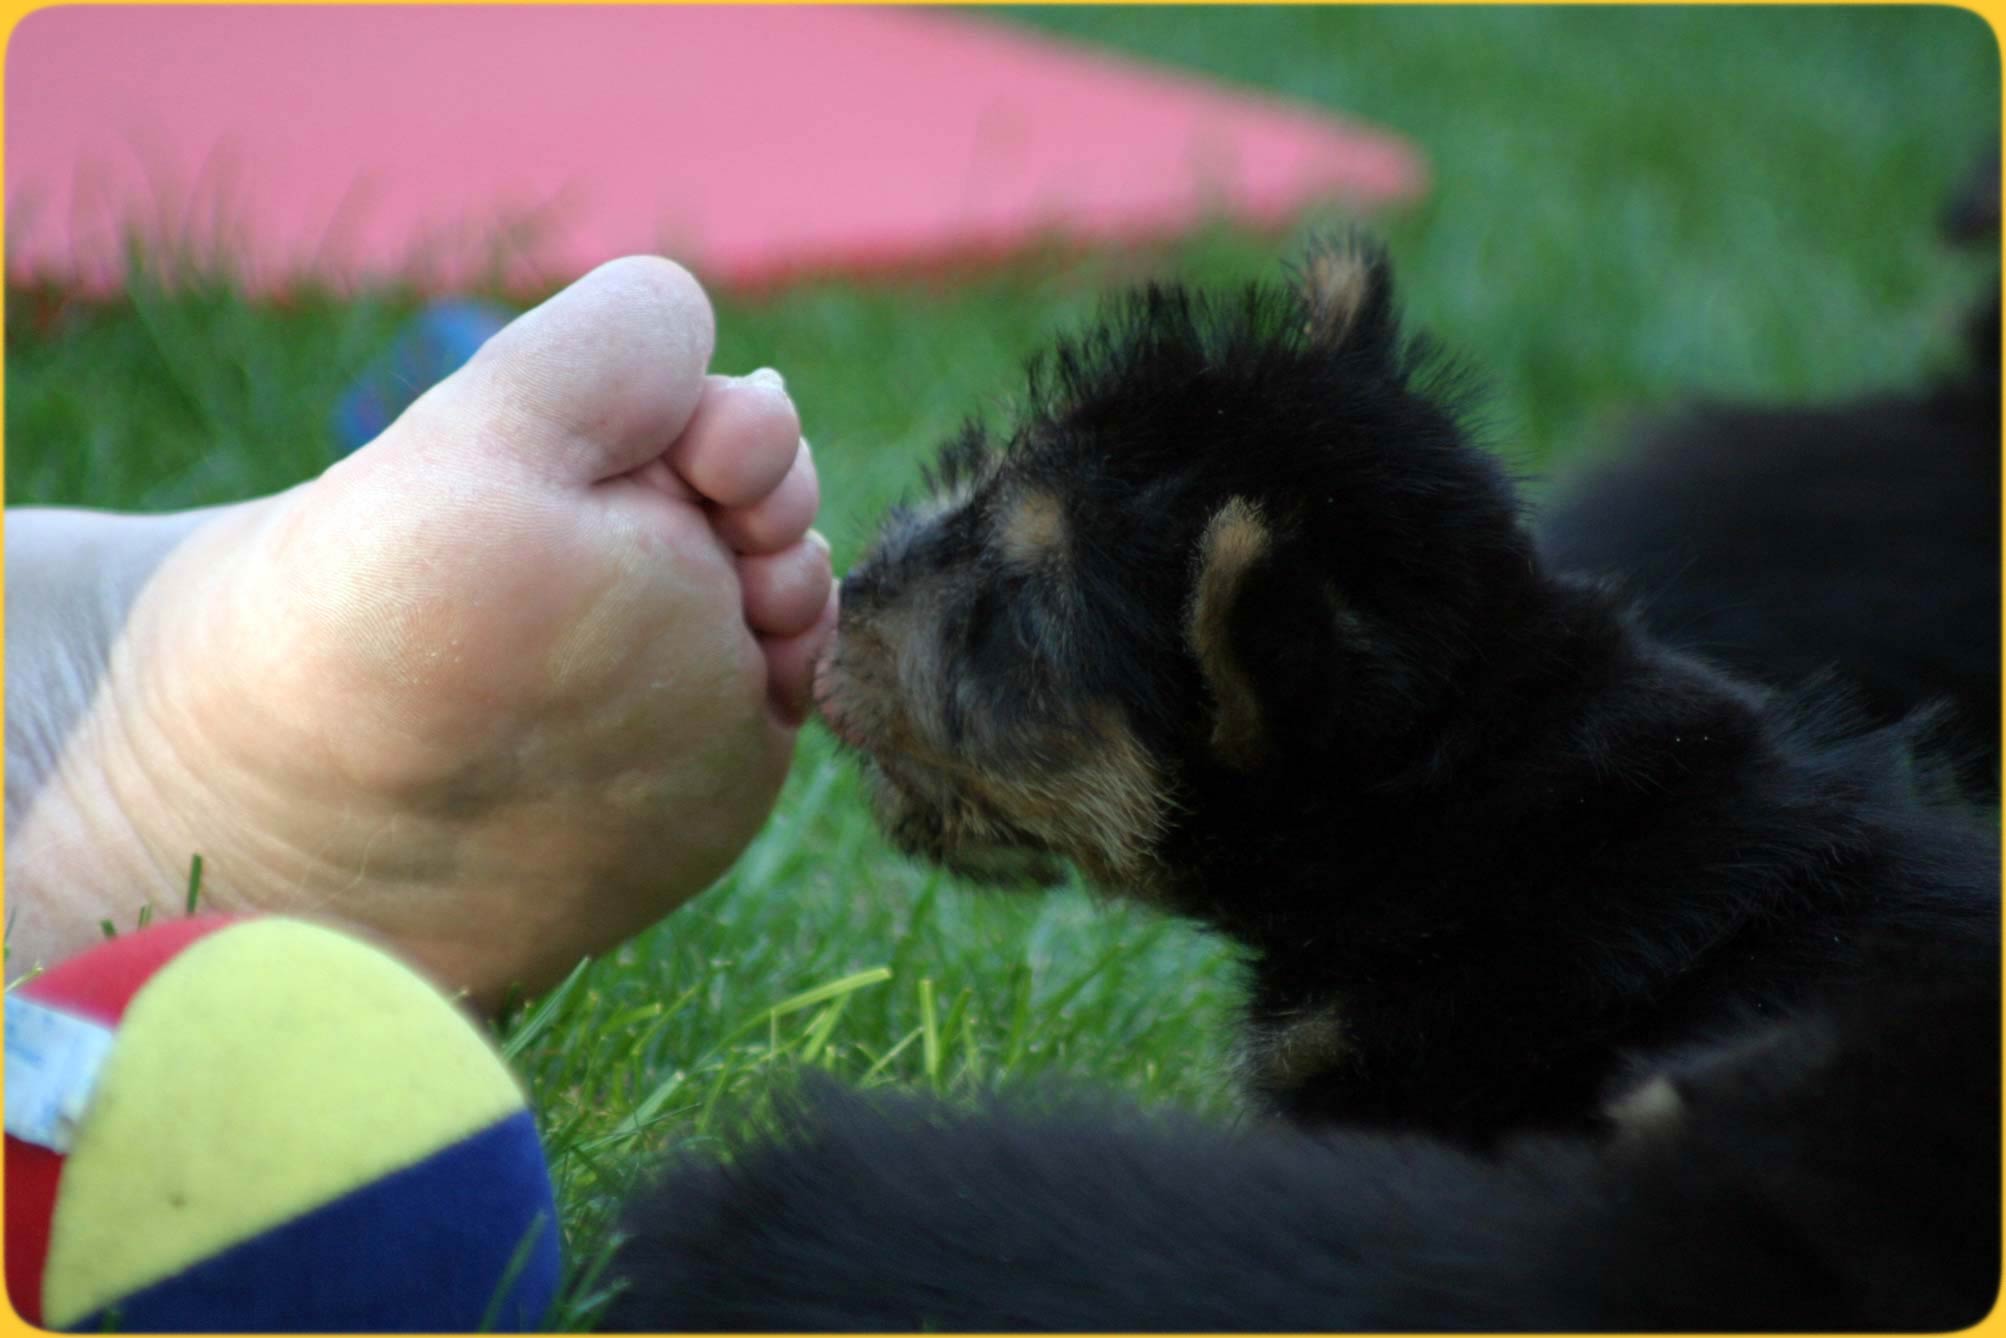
{"x": 595, "y": 382}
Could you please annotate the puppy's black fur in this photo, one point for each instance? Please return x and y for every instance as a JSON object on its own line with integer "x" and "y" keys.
{"x": 1831, "y": 1173}
{"x": 1783, "y": 543}
{"x": 1238, "y": 621}
{"x": 1860, "y": 537}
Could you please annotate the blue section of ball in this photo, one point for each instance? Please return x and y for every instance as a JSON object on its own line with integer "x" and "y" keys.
{"x": 464, "y": 1240}
{"x": 437, "y": 343}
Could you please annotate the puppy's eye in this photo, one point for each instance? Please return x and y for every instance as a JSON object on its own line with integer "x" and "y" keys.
{"x": 994, "y": 631}
{"x": 983, "y": 620}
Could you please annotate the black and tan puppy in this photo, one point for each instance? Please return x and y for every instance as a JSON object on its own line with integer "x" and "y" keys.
{"x": 1609, "y": 990}
{"x": 1238, "y": 621}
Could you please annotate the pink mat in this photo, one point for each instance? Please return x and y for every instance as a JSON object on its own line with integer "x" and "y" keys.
{"x": 523, "y": 145}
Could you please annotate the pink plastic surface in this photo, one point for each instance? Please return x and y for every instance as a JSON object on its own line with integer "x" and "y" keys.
{"x": 523, "y": 145}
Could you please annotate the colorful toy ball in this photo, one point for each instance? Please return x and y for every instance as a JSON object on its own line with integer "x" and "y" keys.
{"x": 261, "y": 1124}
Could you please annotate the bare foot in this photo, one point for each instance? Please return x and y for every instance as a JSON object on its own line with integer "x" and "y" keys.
{"x": 502, "y": 688}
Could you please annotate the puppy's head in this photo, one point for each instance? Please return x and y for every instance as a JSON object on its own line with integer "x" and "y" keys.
{"x": 1232, "y": 543}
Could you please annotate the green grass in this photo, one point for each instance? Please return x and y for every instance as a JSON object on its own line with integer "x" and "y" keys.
{"x": 1630, "y": 206}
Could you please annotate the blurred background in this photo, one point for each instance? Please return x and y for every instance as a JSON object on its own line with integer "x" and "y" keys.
{"x": 1617, "y": 209}
{"x": 1620, "y": 206}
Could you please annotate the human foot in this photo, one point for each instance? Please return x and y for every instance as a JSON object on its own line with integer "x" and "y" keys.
{"x": 504, "y": 687}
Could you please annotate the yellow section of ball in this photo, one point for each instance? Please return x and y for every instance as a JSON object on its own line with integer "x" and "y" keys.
{"x": 270, "y": 1068}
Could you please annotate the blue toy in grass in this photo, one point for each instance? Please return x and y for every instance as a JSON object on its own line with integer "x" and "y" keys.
{"x": 435, "y": 345}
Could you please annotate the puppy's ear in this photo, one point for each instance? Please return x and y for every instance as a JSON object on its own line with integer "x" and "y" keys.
{"x": 1345, "y": 288}
{"x": 1266, "y": 635}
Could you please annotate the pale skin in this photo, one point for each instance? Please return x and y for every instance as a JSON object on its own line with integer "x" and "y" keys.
{"x": 501, "y": 689}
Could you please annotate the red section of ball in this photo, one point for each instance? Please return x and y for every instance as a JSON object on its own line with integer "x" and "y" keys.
{"x": 98, "y": 985}
{"x": 32, "y": 1175}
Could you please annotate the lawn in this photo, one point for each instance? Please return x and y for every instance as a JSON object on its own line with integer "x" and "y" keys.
{"x": 1631, "y": 206}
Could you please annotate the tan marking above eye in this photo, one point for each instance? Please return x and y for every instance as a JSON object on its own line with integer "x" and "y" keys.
{"x": 1034, "y": 530}
{"x": 1235, "y": 540}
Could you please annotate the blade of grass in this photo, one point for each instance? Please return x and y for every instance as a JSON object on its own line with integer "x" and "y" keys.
{"x": 971, "y": 1048}
{"x": 879, "y": 1065}
{"x": 808, "y": 998}
{"x": 717, "y": 1090}
{"x": 545, "y": 1014}
{"x": 876, "y": 975}
{"x": 929, "y": 1033}
{"x": 819, "y": 1030}
{"x": 517, "y": 1262}
{"x": 1020, "y": 1015}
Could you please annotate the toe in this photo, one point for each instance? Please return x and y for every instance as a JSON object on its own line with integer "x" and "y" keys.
{"x": 790, "y": 663}
{"x": 779, "y": 518}
{"x": 591, "y": 384}
{"x": 742, "y": 441}
{"x": 785, "y": 592}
